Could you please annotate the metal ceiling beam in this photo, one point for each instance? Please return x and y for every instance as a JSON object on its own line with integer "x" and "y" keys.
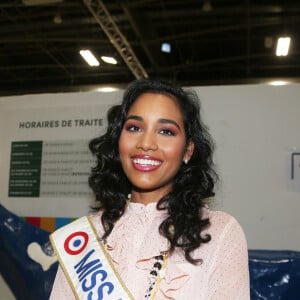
{"x": 106, "y": 22}
{"x": 137, "y": 29}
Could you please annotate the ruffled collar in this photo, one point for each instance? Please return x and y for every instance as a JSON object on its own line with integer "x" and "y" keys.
{"x": 154, "y": 245}
{"x": 154, "y": 241}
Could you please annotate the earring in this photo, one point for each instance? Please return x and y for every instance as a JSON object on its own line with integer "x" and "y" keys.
{"x": 185, "y": 161}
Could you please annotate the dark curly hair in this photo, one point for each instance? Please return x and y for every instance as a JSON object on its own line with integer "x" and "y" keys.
{"x": 193, "y": 183}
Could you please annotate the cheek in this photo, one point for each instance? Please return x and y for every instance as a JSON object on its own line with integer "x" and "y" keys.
{"x": 175, "y": 151}
{"x": 125, "y": 144}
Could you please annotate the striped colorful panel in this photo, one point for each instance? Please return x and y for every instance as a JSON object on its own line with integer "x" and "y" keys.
{"x": 48, "y": 224}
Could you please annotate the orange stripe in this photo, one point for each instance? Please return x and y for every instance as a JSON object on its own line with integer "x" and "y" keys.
{"x": 48, "y": 224}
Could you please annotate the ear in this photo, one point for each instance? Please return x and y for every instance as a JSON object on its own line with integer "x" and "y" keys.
{"x": 189, "y": 151}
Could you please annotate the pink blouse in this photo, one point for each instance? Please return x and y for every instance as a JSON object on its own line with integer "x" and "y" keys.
{"x": 135, "y": 241}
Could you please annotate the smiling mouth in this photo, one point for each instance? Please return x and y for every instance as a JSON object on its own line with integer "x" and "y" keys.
{"x": 146, "y": 162}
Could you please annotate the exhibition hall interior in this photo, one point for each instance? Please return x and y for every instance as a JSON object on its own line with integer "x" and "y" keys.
{"x": 64, "y": 63}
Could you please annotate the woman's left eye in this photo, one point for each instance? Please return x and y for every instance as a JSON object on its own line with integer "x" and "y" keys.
{"x": 167, "y": 132}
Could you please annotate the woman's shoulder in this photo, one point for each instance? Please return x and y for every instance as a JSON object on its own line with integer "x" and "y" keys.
{"x": 220, "y": 218}
{"x": 223, "y": 225}
{"x": 96, "y": 220}
{"x": 226, "y": 235}
{"x": 217, "y": 217}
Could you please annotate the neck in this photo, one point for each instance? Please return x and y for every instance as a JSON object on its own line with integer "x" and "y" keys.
{"x": 146, "y": 197}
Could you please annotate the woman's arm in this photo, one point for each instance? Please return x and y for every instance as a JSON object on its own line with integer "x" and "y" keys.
{"x": 229, "y": 279}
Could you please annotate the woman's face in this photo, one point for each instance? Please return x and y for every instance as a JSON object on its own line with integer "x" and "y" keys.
{"x": 152, "y": 144}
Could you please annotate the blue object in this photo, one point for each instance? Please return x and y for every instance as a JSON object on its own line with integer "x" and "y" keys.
{"x": 274, "y": 275}
{"x": 166, "y": 47}
{"x": 25, "y": 277}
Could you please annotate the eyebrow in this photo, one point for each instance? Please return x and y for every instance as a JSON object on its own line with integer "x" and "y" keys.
{"x": 162, "y": 120}
{"x": 168, "y": 121}
{"x": 134, "y": 117}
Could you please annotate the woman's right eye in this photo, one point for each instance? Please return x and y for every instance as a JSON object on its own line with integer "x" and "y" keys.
{"x": 132, "y": 128}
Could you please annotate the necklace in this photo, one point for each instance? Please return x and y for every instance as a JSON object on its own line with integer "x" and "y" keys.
{"x": 156, "y": 275}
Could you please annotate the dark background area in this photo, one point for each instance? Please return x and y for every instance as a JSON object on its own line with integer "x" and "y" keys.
{"x": 213, "y": 42}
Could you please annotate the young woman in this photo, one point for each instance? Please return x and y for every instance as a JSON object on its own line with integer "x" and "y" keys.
{"x": 153, "y": 179}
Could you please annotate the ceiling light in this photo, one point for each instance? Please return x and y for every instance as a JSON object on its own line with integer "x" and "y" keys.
{"x": 278, "y": 82}
{"x": 283, "y": 44}
{"x": 109, "y": 60}
{"x": 89, "y": 58}
{"x": 166, "y": 47}
{"x": 107, "y": 89}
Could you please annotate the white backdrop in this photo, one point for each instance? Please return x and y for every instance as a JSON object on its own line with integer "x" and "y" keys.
{"x": 255, "y": 127}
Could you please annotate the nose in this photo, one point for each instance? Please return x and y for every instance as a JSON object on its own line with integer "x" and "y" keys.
{"x": 147, "y": 142}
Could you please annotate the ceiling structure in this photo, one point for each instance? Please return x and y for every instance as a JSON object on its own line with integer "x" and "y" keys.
{"x": 212, "y": 42}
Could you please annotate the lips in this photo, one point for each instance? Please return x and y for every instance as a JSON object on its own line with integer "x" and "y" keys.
{"x": 145, "y": 163}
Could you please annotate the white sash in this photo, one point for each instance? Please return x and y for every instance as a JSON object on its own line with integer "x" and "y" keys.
{"x": 86, "y": 263}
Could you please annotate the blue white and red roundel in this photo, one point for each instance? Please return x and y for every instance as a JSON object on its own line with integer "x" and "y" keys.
{"x": 76, "y": 242}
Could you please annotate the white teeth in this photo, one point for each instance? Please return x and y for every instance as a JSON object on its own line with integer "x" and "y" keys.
{"x": 146, "y": 162}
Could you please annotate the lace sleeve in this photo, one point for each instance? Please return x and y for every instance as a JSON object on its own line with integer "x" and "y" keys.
{"x": 230, "y": 272}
